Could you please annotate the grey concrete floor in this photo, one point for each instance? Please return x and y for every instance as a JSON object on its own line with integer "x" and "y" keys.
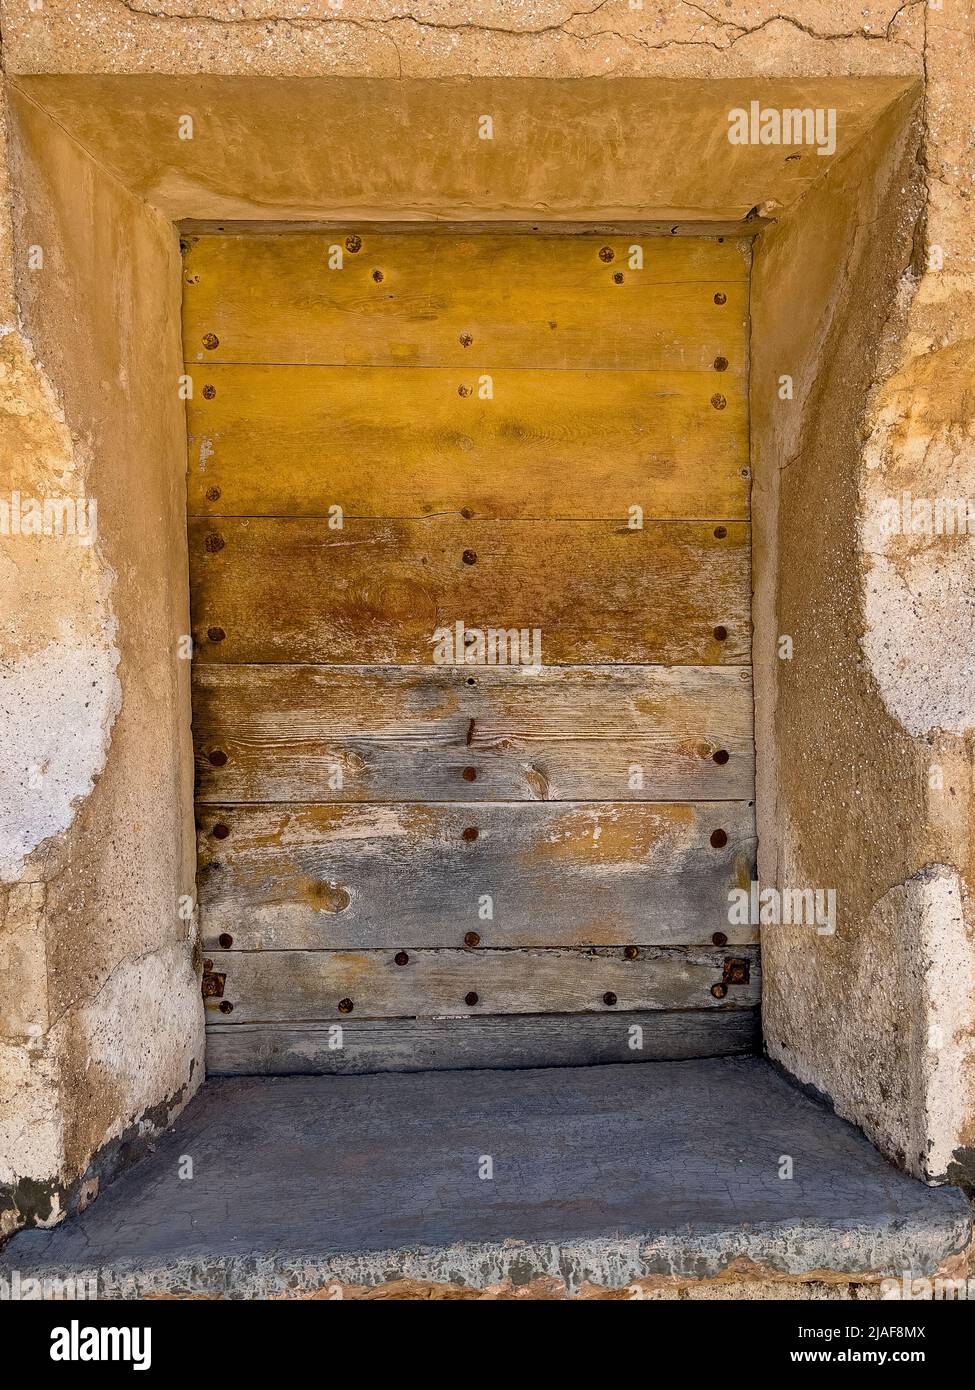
{"x": 605, "y": 1173}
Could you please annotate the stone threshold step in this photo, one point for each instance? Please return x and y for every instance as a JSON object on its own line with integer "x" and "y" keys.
{"x": 599, "y": 1175}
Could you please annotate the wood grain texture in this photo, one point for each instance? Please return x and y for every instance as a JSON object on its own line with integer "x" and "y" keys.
{"x": 397, "y": 443}
{"x": 282, "y": 986}
{"x": 408, "y": 733}
{"x": 523, "y": 300}
{"x": 556, "y": 874}
{"x": 283, "y": 589}
{"x": 430, "y": 1044}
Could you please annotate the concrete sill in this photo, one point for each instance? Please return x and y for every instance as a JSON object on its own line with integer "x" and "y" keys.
{"x": 601, "y": 1176}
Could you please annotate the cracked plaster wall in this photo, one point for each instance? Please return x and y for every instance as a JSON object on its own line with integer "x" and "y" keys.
{"x": 100, "y": 1009}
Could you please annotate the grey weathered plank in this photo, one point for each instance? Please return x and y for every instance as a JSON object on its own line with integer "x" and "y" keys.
{"x": 292, "y": 589}
{"x": 287, "y": 986}
{"x": 556, "y": 873}
{"x": 514, "y": 1041}
{"x": 401, "y": 734}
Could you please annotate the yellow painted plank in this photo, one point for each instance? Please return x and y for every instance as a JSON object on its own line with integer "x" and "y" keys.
{"x": 292, "y": 589}
{"x": 535, "y": 874}
{"x": 388, "y": 442}
{"x": 396, "y": 733}
{"x": 478, "y": 299}
{"x": 267, "y": 986}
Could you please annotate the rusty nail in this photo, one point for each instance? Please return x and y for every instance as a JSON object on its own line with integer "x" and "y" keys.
{"x": 720, "y": 298}
{"x": 720, "y": 532}
{"x": 221, "y": 831}
{"x": 217, "y": 757}
{"x": 210, "y": 341}
{"x": 464, "y": 390}
{"x": 208, "y": 965}
{"x": 214, "y": 542}
{"x": 209, "y": 392}
{"x": 721, "y": 756}
{"x": 719, "y": 939}
{"x": 609, "y": 998}
{"x": 719, "y": 991}
{"x": 226, "y": 940}
{"x": 466, "y": 513}
{"x": 226, "y": 1007}
{"x": 216, "y": 634}
{"x": 630, "y": 952}
{"x": 470, "y": 774}
{"x": 466, "y": 339}
{"x": 718, "y": 401}
{"x": 402, "y": 958}
{"x": 470, "y": 999}
{"x": 212, "y": 984}
{"x": 469, "y": 557}
{"x": 471, "y": 938}
{"x": 736, "y": 972}
{"x": 472, "y": 680}
{"x": 377, "y": 275}
{"x": 721, "y": 364}
{"x": 720, "y": 633}
{"x": 470, "y": 834}
{"x": 213, "y": 494}
{"x": 607, "y": 254}
{"x": 353, "y": 243}
{"x": 618, "y": 278}
{"x": 719, "y": 838}
{"x": 345, "y": 1006}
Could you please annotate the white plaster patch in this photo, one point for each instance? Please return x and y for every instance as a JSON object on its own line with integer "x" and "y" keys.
{"x": 58, "y": 705}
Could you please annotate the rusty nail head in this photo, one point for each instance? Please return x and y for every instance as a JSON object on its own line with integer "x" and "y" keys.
{"x": 469, "y": 834}
{"x": 720, "y": 532}
{"x": 618, "y": 277}
{"x": 720, "y": 298}
{"x": 221, "y": 831}
{"x": 209, "y": 392}
{"x": 213, "y": 983}
{"x": 720, "y": 633}
{"x": 208, "y": 965}
{"x": 217, "y": 757}
{"x": 345, "y": 1006}
{"x": 736, "y": 972}
{"x": 216, "y": 634}
{"x": 463, "y": 390}
{"x": 226, "y": 1007}
{"x": 719, "y": 939}
{"x": 719, "y": 991}
{"x": 607, "y": 254}
{"x": 609, "y": 998}
{"x": 466, "y": 339}
{"x": 721, "y": 364}
{"x": 226, "y": 940}
{"x": 466, "y": 513}
{"x": 470, "y": 774}
{"x": 213, "y": 494}
{"x": 719, "y": 838}
{"x": 214, "y": 542}
{"x": 353, "y": 243}
{"x": 210, "y": 341}
{"x": 471, "y": 938}
{"x": 630, "y": 952}
{"x": 377, "y": 275}
{"x": 718, "y": 401}
{"x": 470, "y": 999}
{"x": 721, "y": 756}
{"x": 469, "y": 557}
{"x": 402, "y": 958}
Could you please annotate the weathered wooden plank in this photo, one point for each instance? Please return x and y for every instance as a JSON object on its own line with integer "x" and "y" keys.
{"x": 395, "y": 443}
{"x": 283, "y": 589}
{"x": 521, "y": 300}
{"x": 623, "y": 733}
{"x": 283, "y": 986}
{"x": 548, "y": 873}
{"x": 431, "y": 1044}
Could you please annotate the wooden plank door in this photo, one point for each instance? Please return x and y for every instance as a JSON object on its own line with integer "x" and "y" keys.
{"x": 400, "y": 442}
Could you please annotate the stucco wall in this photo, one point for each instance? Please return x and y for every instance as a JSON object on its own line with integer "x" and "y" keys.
{"x": 100, "y": 1005}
